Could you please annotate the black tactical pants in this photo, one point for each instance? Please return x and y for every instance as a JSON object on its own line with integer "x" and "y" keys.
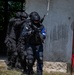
{"x": 38, "y": 55}
{"x": 35, "y": 53}
{"x": 29, "y": 57}
{"x": 11, "y": 53}
{"x": 21, "y": 55}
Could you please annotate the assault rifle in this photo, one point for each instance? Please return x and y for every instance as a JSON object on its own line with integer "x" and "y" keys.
{"x": 37, "y": 32}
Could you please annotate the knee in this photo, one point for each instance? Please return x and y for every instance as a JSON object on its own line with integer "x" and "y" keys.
{"x": 41, "y": 60}
{"x": 29, "y": 60}
{"x": 14, "y": 54}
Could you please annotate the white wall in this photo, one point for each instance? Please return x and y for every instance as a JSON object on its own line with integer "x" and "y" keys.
{"x": 58, "y": 45}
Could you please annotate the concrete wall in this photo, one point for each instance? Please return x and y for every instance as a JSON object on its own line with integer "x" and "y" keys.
{"x": 58, "y": 44}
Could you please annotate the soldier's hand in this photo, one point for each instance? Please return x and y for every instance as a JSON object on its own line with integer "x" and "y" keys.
{"x": 29, "y": 32}
{"x": 8, "y": 43}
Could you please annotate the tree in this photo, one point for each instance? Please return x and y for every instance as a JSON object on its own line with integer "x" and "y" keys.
{"x": 13, "y": 7}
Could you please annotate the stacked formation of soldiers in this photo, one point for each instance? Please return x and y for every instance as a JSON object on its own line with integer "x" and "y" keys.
{"x": 24, "y": 41}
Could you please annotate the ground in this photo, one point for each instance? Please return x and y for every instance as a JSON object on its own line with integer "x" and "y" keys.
{"x": 50, "y": 68}
{"x": 12, "y": 72}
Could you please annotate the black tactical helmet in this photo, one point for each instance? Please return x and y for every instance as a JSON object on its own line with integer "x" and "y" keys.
{"x": 34, "y": 16}
{"x": 33, "y": 13}
{"x": 24, "y": 14}
{"x": 35, "y": 19}
{"x": 17, "y": 15}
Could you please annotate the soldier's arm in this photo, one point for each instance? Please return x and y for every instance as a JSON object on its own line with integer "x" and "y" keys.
{"x": 10, "y": 25}
{"x": 12, "y": 20}
{"x": 7, "y": 34}
{"x": 19, "y": 22}
{"x": 42, "y": 33}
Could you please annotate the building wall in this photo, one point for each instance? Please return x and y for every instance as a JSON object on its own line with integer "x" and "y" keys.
{"x": 58, "y": 44}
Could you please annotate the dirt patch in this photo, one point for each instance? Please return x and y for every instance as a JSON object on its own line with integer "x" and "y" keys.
{"x": 3, "y": 65}
{"x": 47, "y": 67}
{"x": 54, "y": 67}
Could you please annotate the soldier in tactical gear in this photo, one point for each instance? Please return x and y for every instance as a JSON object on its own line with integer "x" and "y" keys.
{"x": 11, "y": 39}
{"x": 13, "y": 32}
{"x": 21, "y": 44}
{"x": 36, "y": 41}
{"x": 24, "y": 45}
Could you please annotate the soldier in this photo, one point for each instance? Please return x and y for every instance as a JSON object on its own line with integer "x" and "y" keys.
{"x": 18, "y": 30}
{"x": 21, "y": 45}
{"x": 39, "y": 36}
{"x": 34, "y": 34}
{"x": 12, "y": 37}
{"x": 34, "y": 13}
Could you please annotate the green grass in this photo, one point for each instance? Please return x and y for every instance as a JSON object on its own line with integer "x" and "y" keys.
{"x": 13, "y": 72}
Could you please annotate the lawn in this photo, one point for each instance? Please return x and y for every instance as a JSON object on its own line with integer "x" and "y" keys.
{"x": 13, "y": 72}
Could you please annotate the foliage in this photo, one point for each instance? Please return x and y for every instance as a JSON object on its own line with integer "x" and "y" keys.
{"x": 13, "y": 7}
{"x": 1, "y": 4}
{"x": 11, "y": 72}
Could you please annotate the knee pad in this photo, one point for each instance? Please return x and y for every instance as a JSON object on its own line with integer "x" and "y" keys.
{"x": 29, "y": 59}
{"x": 15, "y": 53}
{"x": 29, "y": 56}
{"x": 41, "y": 57}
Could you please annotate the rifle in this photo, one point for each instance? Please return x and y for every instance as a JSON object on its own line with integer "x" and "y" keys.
{"x": 37, "y": 32}
{"x": 42, "y": 19}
